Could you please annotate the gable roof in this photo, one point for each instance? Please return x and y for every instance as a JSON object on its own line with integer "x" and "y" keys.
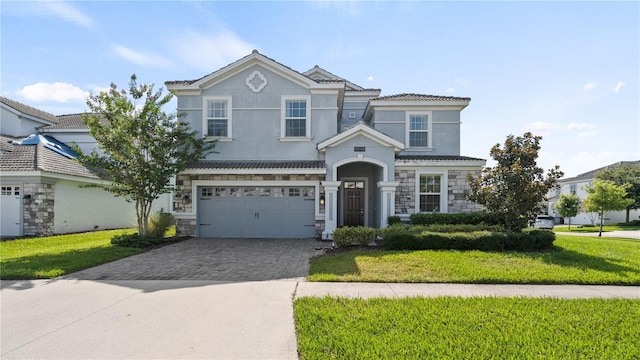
{"x": 319, "y": 74}
{"x": 39, "y": 153}
{"x": 589, "y": 175}
{"x": 44, "y": 116}
{"x": 363, "y": 129}
{"x": 254, "y": 58}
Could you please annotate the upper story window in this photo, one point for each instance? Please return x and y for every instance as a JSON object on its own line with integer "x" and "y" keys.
{"x": 217, "y": 117}
{"x": 573, "y": 188}
{"x": 418, "y": 129}
{"x": 296, "y": 118}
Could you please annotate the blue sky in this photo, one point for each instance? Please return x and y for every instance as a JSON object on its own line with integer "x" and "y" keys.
{"x": 568, "y": 71}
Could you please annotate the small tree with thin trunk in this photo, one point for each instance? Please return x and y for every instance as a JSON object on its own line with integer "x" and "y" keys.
{"x": 568, "y": 206}
{"x": 142, "y": 147}
{"x": 604, "y": 195}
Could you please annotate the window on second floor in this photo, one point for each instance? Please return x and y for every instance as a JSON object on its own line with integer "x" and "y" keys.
{"x": 217, "y": 117}
{"x": 418, "y": 130}
{"x": 296, "y": 120}
{"x": 573, "y": 188}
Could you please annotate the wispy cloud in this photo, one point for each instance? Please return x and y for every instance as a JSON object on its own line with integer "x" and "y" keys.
{"x": 47, "y": 8}
{"x": 140, "y": 58}
{"x": 370, "y": 78}
{"x": 450, "y": 90}
{"x": 464, "y": 82}
{"x": 589, "y": 86}
{"x": 584, "y": 129}
{"x": 543, "y": 125}
{"x": 58, "y": 92}
{"x": 206, "y": 52}
{"x": 618, "y": 86}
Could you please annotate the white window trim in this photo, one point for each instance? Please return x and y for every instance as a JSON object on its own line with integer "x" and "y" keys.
{"x": 283, "y": 123}
{"x": 444, "y": 189}
{"x": 429, "y": 130}
{"x": 205, "y": 122}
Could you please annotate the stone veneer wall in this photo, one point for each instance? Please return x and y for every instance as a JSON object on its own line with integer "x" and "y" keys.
{"x": 38, "y": 210}
{"x": 456, "y": 188}
{"x": 188, "y": 227}
{"x": 405, "y": 193}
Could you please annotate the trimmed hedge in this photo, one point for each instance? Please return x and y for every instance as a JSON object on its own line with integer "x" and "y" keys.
{"x": 394, "y": 220}
{"x": 404, "y": 239}
{"x": 348, "y": 235}
{"x": 473, "y": 218}
{"x": 136, "y": 241}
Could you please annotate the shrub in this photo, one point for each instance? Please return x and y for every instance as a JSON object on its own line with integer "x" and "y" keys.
{"x": 411, "y": 239}
{"x": 449, "y": 228}
{"x": 348, "y": 235}
{"x": 159, "y": 223}
{"x": 473, "y": 218}
{"x": 136, "y": 240}
{"x": 394, "y": 220}
{"x": 630, "y": 223}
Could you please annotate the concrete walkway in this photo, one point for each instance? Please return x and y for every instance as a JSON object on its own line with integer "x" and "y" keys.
{"x": 192, "y": 319}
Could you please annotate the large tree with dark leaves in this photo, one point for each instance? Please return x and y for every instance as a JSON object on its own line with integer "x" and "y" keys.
{"x": 141, "y": 147}
{"x": 514, "y": 189}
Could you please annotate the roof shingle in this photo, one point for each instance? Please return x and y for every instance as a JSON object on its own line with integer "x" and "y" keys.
{"x": 419, "y": 97}
{"x": 26, "y": 109}
{"x": 257, "y": 164}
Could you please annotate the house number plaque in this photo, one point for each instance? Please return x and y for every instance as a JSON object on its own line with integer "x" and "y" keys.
{"x": 359, "y": 149}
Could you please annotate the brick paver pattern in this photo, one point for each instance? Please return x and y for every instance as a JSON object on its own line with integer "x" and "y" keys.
{"x": 214, "y": 259}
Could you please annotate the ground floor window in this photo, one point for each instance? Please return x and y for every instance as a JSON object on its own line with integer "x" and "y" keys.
{"x": 430, "y": 193}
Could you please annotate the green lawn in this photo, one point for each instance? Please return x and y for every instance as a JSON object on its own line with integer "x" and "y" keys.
{"x": 576, "y": 260}
{"x": 588, "y": 228}
{"x": 467, "y": 328}
{"x": 48, "y": 257}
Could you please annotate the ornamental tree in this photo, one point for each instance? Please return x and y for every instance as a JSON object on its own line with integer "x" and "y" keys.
{"x": 605, "y": 195}
{"x": 141, "y": 147}
{"x": 515, "y": 188}
{"x": 568, "y": 206}
{"x": 625, "y": 173}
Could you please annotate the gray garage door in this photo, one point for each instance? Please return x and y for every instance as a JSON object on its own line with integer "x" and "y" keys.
{"x": 256, "y": 212}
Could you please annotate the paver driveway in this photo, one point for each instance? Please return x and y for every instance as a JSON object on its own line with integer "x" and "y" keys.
{"x": 213, "y": 259}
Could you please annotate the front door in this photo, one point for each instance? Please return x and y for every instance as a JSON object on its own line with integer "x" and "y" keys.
{"x": 354, "y": 204}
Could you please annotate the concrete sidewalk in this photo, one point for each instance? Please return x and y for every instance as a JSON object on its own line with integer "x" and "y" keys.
{"x": 187, "y": 319}
{"x": 625, "y": 234}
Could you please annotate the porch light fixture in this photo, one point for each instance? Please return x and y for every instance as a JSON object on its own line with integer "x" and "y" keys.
{"x": 321, "y": 199}
{"x": 185, "y": 198}
{"x": 26, "y": 199}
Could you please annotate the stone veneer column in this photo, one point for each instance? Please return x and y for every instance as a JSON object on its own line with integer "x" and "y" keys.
{"x": 388, "y": 203}
{"x": 405, "y": 193}
{"x": 38, "y": 211}
{"x": 331, "y": 207}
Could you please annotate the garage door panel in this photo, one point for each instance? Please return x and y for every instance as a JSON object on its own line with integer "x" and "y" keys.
{"x": 269, "y": 212}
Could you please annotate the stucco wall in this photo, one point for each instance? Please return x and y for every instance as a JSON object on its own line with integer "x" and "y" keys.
{"x": 84, "y": 209}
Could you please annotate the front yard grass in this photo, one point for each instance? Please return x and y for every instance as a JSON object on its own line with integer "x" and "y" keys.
{"x": 467, "y": 328}
{"x": 589, "y": 228}
{"x": 575, "y": 260}
{"x": 52, "y": 256}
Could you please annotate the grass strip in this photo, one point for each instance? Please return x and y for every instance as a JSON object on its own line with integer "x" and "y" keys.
{"x": 52, "y": 256}
{"x": 574, "y": 260}
{"x": 467, "y": 328}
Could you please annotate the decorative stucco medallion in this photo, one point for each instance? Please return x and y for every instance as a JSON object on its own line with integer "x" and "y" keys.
{"x": 256, "y": 81}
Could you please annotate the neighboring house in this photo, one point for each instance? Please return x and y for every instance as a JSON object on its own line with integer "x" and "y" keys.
{"x": 576, "y": 185}
{"x": 43, "y": 190}
{"x": 300, "y": 154}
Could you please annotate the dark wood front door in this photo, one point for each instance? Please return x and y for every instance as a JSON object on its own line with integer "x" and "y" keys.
{"x": 354, "y": 207}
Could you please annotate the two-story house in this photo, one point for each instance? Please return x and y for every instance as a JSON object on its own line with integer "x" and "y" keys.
{"x": 300, "y": 154}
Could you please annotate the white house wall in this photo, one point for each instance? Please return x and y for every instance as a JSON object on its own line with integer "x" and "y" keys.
{"x": 610, "y": 217}
{"x": 12, "y": 125}
{"x": 83, "y": 209}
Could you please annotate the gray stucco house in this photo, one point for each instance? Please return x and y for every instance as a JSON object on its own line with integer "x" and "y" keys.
{"x": 300, "y": 154}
